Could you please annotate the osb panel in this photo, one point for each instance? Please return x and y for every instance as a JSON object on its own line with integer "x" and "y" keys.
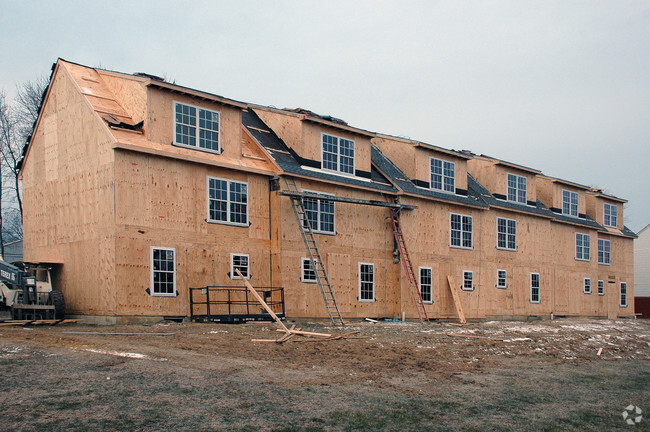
{"x": 313, "y": 144}
{"x": 423, "y": 164}
{"x": 401, "y": 154}
{"x": 500, "y": 180}
{"x": 130, "y": 93}
{"x": 484, "y": 172}
{"x": 288, "y": 128}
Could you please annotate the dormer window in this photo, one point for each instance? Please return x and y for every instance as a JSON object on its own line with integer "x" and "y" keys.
{"x": 338, "y": 154}
{"x": 569, "y": 203}
{"x": 196, "y": 127}
{"x": 610, "y": 218}
{"x": 443, "y": 175}
{"x": 517, "y": 188}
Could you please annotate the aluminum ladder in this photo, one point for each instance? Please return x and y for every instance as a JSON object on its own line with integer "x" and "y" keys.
{"x": 408, "y": 266}
{"x": 314, "y": 253}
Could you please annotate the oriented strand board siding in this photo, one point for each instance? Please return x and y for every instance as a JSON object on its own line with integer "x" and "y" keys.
{"x": 313, "y": 144}
{"x": 400, "y": 153}
{"x": 68, "y": 199}
{"x": 484, "y": 171}
{"x": 287, "y": 127}
{"x": 423, "y": 166}
{"x": 131, "y": 94}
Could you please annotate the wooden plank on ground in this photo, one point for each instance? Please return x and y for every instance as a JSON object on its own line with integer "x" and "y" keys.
{"x": 306, "y": 333}
{"x": 262, "y": 302}
{"x": 454, "y": 294}
{"x": 116, "y": 334}
{"x": 473, "y": 336}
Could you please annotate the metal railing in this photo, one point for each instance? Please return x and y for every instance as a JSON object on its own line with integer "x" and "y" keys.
{"x": 234, "y": 304}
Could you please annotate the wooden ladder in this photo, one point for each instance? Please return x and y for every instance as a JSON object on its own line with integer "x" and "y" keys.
{"x": 314, "y": 253}
{"x": 408, "y": 266}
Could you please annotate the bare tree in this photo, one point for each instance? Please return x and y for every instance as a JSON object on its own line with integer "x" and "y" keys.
{"x": 7, "y": 137}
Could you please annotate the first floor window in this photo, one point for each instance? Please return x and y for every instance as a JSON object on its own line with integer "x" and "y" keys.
{"x": 366, "y": 282}
{"x": 601, "y": 287}
{"x": 308, "y": 272}
{"x": 426, "y": 285}
{"x": 460, "y": 231}
{"x": 502, "y": 279}
{"x": 604, "y": 251}
{"x": 587, "y": 286}
{"x": 443, "y": 175}
{"x": 163, "y": 271}
{"x": 320, "y": 215}
{"x": 534, "y": 287}
{"x": 610, "y": 215}
{"x": 570, "y": 203}
{"x": 468, "y": 281}
{"x": 227, "y": 201}
{"x": 506, "y": 234}
{"x": 582, "y": 247}
{"x": 239, "y": 262}
{"x": 185, "y": 124}
{"x": 623, "y": 294}
{"x": 517, "y": 188}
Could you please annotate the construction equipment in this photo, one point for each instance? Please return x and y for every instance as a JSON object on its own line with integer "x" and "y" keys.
{"x": 314, "y": 253}
{"x": 29, "y": 294}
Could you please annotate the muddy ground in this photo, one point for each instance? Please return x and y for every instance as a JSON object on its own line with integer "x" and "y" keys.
{"x": 544, "y": 375}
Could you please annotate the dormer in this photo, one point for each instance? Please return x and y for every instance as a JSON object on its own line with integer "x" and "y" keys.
{"x": 605, "y": 209}
{"x": 321, "y": 143}
{"x": 427, "y": 166}
{"x": 563, "y": 197}
{"x": 506, "y": 181}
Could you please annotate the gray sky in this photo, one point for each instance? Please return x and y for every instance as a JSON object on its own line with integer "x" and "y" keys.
{"x": 561, "y": 86}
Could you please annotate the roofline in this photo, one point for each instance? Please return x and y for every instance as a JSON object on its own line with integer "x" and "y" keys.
{"x": 599, "y": 193}
{"x": 510, "y": 164}
{"x": 195, "y": 93}
{"x": 417, "y": 143}
{"x": 567, "y": 183}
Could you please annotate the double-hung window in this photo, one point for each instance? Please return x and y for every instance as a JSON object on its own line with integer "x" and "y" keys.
{"x": 320, "y": 214}
{"x": 587, "y": 286}
{"x": 610, "y": 215}
{"x": 460, "y": 231}
{"x": 426, "y": 285}
{"x": 517, "y": 188}
{"x": 163, "y": 271}
{"x": 227, "y": 201}
{"x": 366, "y": 282}
{"x": 240, "y": 262}
{"x": 623, "y": 302}
{"x": 196, "y": 127}
{"x": 338, "y": 154}
{"x": 506, "y": 234}
{"x": 502, "y": 279}
{"x": 443, "y": 175}
{"x": 604, "y": 251}
{"x": 308, "y": 273}
{"x": 601, "y": 288}
{"x": 582, "y": 247}
{"x": 468, "y": 280}
{"x": 569, "y": 203}
{"x": 534, "y": 288}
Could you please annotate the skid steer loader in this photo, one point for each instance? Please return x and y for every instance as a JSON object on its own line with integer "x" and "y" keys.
{"x": 29, "y": 294}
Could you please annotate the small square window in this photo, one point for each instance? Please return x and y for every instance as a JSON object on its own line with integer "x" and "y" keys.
{"x": 502, "y": 279}
{"x": 239, "y": 262}
{"x": 468, "y": 280}
{"x": 308, "y": 272}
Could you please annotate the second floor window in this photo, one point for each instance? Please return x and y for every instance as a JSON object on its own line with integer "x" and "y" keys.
{"x": 196, "y": 127}
{"x": 569, "y": 203}
{"x": 506, "y": 234}
{"x": 227, "y": 201}
{"x": 610, "y": 215}
{"x": 604, "y": 251}
{"x": 320, "y": 214}
{"x": 443, "y": 175}
{"x": 338, "y": 154}
{"x": 517, "y": 188}
{"x": 460, "y": 231}
{"x": 582, "y": 247}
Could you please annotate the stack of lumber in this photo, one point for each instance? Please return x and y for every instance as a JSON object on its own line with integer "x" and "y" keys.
{"x": 5, "y": 323}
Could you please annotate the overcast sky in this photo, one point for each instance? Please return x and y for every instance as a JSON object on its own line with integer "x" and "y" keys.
{"x": 562, "y": 86}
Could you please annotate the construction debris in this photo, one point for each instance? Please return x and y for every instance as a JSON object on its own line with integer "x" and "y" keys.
{"x": 473, "y": 336}
{"x": 9, "y": 323}
{"x": 116, "y": 334}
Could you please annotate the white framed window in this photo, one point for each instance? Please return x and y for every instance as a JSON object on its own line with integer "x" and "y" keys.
{"x": 366, "y": 282}
{"x": 601, "y": 288}
{"x": 460, "y": 231}
{"x": 320, "y": 213}
{"x": 569, "y": 203}
{"x": 517, "y": 188}
{"x": 443, "y": 175}
{"x": 583, "y": 246}
{"x": 426, "y": 285}
{"x": 227, "y": 201}
{"x": 337, "y": 154}
{"x": 610, "y": 215}
{"x": 308, "y": 273}
{"x": 240, "y": 262}
{"x": 502, "y": 279}
{"x": 196, "y": 127}
{"x": 506, "y": 234}
{"x": 623, "y": 302}
{"x": 468, "y": 280}
{"x": 534, "y": 288}
{"x": 163, "y": 271}
{"x": 587, "y": 286}
{"x": 604, "y": 252}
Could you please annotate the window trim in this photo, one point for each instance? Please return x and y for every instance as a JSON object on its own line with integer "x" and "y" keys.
{"x": 517, "y": 189}
{"x": 195, "y": 147}
{"x": 233, "y": 275}
{"x": 430, "y": 285}
{"x": 571, "y": 193}
{"x": 303, "y": 260}
{"x": 539, "y": 288}
{"x": 338, "y": 156}
{"x": 442, "y": 176}
{"x": 605, "y": 215}
{"x": 609, "y": 261}
{"x": 374, "y": 298}
{"x": 319, "y": 231}
{"x": 586, "y": 287}
{"x": 468, "y": 272}
{"x": 588, "y": 248}
{"x": 601, "y": 287}
{"x": 228, "y": 202}
{"x": 451, "y": 214}
{"x": 505, "y": 279}
{"x": 506, "y": 248}
{"x": 621, "y": 294}
{"x": 163, "y": 248}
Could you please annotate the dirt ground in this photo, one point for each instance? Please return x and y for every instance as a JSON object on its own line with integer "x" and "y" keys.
{"x": 542, "y": 376}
